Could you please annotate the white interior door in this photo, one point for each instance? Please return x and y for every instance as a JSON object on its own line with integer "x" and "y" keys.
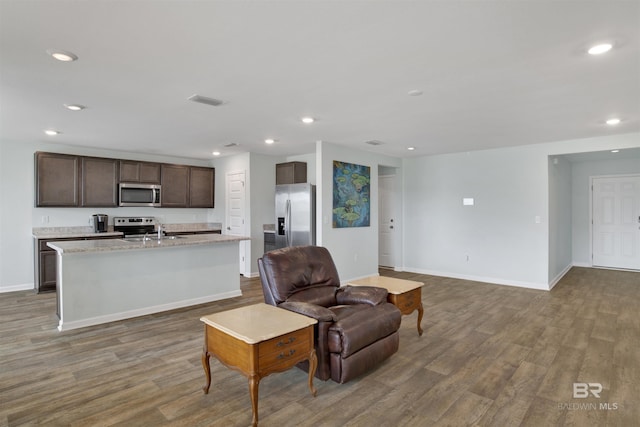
{"x": 616, "y": 222}
{"x": 235, "y": 213}
{"x": 387, "y": 222}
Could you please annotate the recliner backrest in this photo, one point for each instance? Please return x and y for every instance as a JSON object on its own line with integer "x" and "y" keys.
{"x": 299, "y": 269}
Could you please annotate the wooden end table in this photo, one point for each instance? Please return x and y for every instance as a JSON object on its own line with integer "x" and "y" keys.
{"x": 258, "y": 340}
{"x": 404, "y": 294}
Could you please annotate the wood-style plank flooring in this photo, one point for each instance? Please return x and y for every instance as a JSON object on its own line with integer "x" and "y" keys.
{"x": 490, "y": 356}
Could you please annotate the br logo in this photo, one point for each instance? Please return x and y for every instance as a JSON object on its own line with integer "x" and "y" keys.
{"x": 583, "y": 390}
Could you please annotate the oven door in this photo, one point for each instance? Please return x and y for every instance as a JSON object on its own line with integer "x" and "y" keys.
{"x": 139, "y": 195}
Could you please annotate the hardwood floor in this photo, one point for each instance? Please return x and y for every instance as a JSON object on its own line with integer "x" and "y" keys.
{"x": 490, "y": 356}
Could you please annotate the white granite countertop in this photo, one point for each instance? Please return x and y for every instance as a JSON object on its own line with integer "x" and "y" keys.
{"x": 70, "y": 232}
{"x": 107, "y": 245}
{"x": 82, "y": 232}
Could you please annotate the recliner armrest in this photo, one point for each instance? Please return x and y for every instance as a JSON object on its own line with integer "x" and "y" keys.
{"x": 321, "y": 314}
{"x": 361, "y": 295}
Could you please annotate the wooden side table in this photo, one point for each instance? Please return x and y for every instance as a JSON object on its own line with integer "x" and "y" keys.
{"x": 404, "y": 294}
{"x": 258, "y": 340}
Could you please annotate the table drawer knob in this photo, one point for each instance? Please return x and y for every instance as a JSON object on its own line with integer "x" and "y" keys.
{"x": 283, "y": 355}
{"x": 289, "y": 341}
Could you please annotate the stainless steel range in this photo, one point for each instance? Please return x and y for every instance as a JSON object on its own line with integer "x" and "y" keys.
{"x": 134, "y": 226}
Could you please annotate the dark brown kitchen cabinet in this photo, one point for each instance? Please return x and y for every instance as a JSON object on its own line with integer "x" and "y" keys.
{"x": 175, "y": 186}
{"x": 45, "y": 262}
{"x": 187, "y": 186}
{"x": 143, "y": 172}
{"x": 99, "y": 182}
{"x": 291, "y": 173}
{"x": 201, "y": 187}
{"x": 57, "y": 180}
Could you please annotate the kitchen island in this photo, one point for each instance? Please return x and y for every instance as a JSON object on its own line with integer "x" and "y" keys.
{"x": 100, "y": 281}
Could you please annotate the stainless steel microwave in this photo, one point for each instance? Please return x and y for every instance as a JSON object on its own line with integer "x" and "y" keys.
{"x": 132, "y": 194}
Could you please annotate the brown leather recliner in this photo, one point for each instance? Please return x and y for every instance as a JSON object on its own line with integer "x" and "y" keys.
{"x": 357, "y": 328}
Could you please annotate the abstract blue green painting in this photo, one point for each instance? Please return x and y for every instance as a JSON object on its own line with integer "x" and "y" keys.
{"x": 351, "y": 195}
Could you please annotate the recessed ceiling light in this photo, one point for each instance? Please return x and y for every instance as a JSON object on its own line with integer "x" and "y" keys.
{"x": 600, "y": 48}
{"x": 614, "y": 121}
{"x": 74, "y": 107}
{"x": 411, "y": 148}
{"x": 308, "y": 120}
{"x": 269, "y": 141}
{"x": 62, "y": 55}
{"x": 615, "y": 151}
{"x": 52, "y": 132}
{"x": 216, "y": 153}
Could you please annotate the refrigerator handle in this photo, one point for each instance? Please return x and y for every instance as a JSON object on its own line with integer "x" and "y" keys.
{"x": 287, "y": 222}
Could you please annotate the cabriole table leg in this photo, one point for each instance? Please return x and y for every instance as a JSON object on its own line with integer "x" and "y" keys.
{"x": 313, "y": 364}
{"x": 207, "y": 369}
{"x": 254, "y": 382}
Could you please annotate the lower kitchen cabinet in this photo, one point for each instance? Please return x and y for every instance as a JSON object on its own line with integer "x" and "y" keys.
{"x": 45, "y": 264}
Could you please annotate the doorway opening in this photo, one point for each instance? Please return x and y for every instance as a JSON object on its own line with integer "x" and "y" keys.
{"x": 388, "y": 217}
{"x": 615, "y": 221}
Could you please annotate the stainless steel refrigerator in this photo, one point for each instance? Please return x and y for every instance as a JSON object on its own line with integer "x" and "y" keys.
{"x": 295, "y": 215}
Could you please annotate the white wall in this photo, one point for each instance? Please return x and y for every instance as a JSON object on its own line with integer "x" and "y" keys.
{"x": 263, "y": 191}
{"x": 18, "y": 215}
{"x": 500, "y": 235}
{"x": 560, "y": 259}
{"x": 354, "y": 250}
{"x": 581, "y": 172}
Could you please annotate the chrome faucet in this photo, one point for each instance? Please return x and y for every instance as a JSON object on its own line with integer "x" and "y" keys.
{"x": 160, "y": 231}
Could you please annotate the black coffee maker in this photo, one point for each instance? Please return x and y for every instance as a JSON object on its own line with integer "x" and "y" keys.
{"x": 100, "y": 222}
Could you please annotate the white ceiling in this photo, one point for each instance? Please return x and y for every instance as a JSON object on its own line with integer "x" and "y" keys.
{"x": 493, "y": 74}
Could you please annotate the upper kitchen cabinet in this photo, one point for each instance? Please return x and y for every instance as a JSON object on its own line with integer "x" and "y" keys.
{"x": 201, "y": 187}
{"x": 291, "y": 173}
{"x": 143, "y": 172}
{"x": 175, "y": 186}
{"x": 187, "y": 186}
{"x": 99, "y": 182}
{"x": 57, "y": 180}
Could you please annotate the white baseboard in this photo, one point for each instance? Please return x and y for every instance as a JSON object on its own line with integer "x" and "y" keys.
{"x": 144, "y": 311}
{"x": 560, "y": 276}
{"x": 492, "y": 280}
{"x": 15, "y": 288}
{"x": 581, "y": 264}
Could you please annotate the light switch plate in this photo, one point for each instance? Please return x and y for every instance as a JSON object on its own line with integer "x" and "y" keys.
{"x": 467, "y": 201}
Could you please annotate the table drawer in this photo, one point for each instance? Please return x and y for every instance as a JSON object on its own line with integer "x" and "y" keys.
{"x": 285, "y": 350}
{"x": 406, "y": 302}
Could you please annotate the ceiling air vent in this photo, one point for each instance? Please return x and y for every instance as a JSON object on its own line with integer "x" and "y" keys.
{"x": 231, "y": 144}
{"x": 374, "y": 142}
{"x": 205, "y": 100}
